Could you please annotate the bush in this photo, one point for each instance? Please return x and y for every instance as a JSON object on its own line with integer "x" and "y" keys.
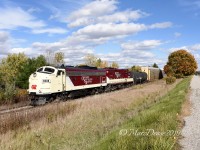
{"x": 1, "y": 96}
{"x": 170, "y": 80}
{"x": 21, "y": 95}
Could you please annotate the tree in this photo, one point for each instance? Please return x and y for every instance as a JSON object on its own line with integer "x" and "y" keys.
{"x": 49, "y": 56}
{"x": 11, "y": 66}
{"x": 155, "y": 65}
{"x": 54, "y": 59}
{"x": 99, "y": 63}
{"x": 59, "y": 58}
{"x": 9, "y": 69}
{"x": 180, "y": 63}
{"x": 135, "y": 68}
{"x": 104, "y": 64}
{"x": 114, "y": 65}
{"x": 28, "y": 68}
{"x": 91, "y": 60}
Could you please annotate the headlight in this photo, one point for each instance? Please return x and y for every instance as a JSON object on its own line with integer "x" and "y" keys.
{"x": 34, "y": 74}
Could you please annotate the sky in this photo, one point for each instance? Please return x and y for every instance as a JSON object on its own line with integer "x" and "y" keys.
{"x": 129, "y": 32}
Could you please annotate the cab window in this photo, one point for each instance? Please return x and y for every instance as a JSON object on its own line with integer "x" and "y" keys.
{"x": 60, "y": 72}
{"x": 40, "y": 70}
{"x": 49, "y": 70}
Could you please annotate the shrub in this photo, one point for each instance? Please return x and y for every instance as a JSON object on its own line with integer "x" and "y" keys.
{"x": 170, "y": 80}
{"x": 21, "y": 95}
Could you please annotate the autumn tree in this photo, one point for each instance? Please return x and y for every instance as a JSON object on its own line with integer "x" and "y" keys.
{"x": 180, "y": 63}
{"x": 104, "y": 64}
{"x": 59, "y": 58}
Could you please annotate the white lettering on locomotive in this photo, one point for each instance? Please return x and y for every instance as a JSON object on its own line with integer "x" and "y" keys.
{"x": 86, "y": 79}
{"x": 117, "y": 74}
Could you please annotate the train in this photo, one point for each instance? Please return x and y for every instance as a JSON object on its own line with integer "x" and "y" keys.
{"x": 48, "y": 83}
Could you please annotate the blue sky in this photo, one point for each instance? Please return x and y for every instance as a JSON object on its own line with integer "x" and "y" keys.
{"x": 129, "y": 32}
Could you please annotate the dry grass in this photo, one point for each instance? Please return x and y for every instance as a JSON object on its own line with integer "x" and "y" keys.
{"x": 80, "y": 123}
{"x": 15, "y": 120}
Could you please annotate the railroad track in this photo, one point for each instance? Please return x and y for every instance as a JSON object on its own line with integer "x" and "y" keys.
{"x": 15, "y": 109}
{"x": 2, "y": 112}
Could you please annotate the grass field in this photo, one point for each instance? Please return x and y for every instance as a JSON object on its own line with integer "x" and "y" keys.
{"x": 105, "y": 121}
{"x": 154, "y": 128}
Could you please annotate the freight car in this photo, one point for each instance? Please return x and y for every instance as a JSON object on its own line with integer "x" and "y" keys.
{"x": 49, "y": 83}
{"x": 152, "y": 73}
{"x": 138, "y": 77}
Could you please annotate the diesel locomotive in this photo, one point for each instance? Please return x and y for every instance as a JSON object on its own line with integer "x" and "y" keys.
{"x": 49, "y": 83}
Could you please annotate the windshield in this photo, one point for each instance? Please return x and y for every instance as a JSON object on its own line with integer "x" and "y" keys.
{"x": 40, "y": 70}
{"x": 50, "y": 70}
{"x": 46, "y": 70}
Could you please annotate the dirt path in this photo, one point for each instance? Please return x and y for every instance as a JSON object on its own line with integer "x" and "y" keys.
{"x": 191, "y": 130}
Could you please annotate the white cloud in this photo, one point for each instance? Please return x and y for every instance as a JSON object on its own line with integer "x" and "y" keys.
{"x": 109, "y": 30}
{"x": 190, "y": 48}
{"x": 94, "y": 9}
{"x": 16, "y": 17}
{"x": 161, "y": 25}
{"x": 4, "y": 42}
{"x": 195, "y": 47}
{"x": 33, "y": 9}
{"x": 142, "y": 45}
{"x": 195, "y": 4}
{"x": 100, "y": 33}
{"x": 135, "y": 53}
{"x": 50, "y": 31}
{"x": 12, "y": 18}
{"x": 104, "y": 11}
{"x": 28, "y": 51}
{"x": 124, "y": 16}
{"x": 117, "y": 17}
{"x": 47, "y": 46}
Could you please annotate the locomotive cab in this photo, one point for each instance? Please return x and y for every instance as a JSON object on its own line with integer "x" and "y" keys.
{"x": 46, "y": 83}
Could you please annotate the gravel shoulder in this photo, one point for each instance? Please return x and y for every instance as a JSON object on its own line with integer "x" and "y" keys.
{"x": 191, "y": 130}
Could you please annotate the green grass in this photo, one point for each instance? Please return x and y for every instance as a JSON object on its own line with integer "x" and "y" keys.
{"x": 154, "y": 128}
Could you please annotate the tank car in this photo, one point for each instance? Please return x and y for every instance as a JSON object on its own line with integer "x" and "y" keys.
{"x": 139, "y": 77}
